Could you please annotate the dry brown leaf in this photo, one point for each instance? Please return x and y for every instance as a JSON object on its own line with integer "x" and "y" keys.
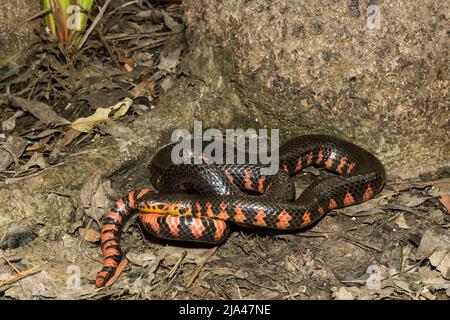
{"x": 42, "y": 134}
{"x": 171, "y": 23}
{"x": 40, "y": 110}
{"x": 434, "y": 238}
{"x": 11, "y": 151}
{"x": 401, "y": 222}
{"x": 441, "y": 260}
{"x": 170, "y": 60}
{"x": 69, "y": 136}
{"x": 342, "y": 294}
{"x": 41, "y": 145}
{"x": 363, "y": 207}
{"x": 146, "y": 88}
{"x": 143, "y": 259}
{"x": 101, "y": 115}
{"x": 10, "y": 123}
{"x": 100, "y": 203}
{"x": 90, "y": 235}
{"x": 37, "y": 159}
{"x": 411, "y": 200}
{"x": 88, "y": 190}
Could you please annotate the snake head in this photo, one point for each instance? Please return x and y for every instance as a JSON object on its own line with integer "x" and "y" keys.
{"x": 160, "y": 163}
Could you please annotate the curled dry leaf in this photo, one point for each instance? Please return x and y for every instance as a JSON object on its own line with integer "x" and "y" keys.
{"x": 90, "y": 187}
{"x": 100, "y": 204}
{"x": 10, "y": 123}
{"x": 170, "y": 60}
{"x": 411, "y": 200}
{"x": 145, "y": 28}
{"x": 101, "y": 115}
{"x": 11, "y": 151}
{"x": 441, "y": 260}
{"x": 342, "y": 294}
{"x": 434, "y": 238}
{"x": 401, "y": 222}
{"x": 69, "y": 136}
{"x": 42, "y": 134}
{"x": 40, "y": 110}
{"x": 36, "y": 160}
{"x": 171, "y": 23}
{"x": 143, "y": 259}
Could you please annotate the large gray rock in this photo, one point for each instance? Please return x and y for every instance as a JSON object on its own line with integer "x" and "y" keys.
{"x": 323, "y": 66}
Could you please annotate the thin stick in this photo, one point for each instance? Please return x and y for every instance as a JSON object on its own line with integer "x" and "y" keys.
{"x": 123, "y": 6}
{"x": 94, "y": 24}
{"x": 200, "y": 267}
{"x": 37, "y": 15}
{"x": 19, "y": 276}
{"x": 11, "y": 265}
{"x": 290, "y": 296}
{"x": 177, "y": 264}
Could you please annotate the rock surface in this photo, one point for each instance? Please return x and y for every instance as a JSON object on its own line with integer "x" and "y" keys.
{"x": 320, "y": 66}
{"x": 14, "y": 34}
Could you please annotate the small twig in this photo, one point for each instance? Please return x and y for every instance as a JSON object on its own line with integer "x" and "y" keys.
{"x": 94, "y": 24}
{"x": 265, "y": 259}
{"x": 110, "y": 50}
{"x": 11, "y": 265}
{"x": 362, "y": 245}
{"x": 39, "y": 14}
{"x": 171, "y": 273}
{"x": 261, "y": 286}
{"x": 177, "y": 264}
{"x": 19, "y": 276}
{"x": 290, "y": 296}
{"x": 200, "y": 267}
{"x": 151, "y": 44}
{"x": 239, "y": 245}
{"x": 35, "y": 16}
{"x": 122, "y": 6}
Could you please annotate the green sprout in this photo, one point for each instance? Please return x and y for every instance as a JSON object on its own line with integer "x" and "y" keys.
{"x": 67, "y": 18}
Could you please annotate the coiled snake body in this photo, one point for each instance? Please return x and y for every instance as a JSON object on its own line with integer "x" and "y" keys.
{"x": 223, "y": 195}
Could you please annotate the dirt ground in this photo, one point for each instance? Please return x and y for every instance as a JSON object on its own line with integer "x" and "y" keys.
{"x": 396, "y": 246}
